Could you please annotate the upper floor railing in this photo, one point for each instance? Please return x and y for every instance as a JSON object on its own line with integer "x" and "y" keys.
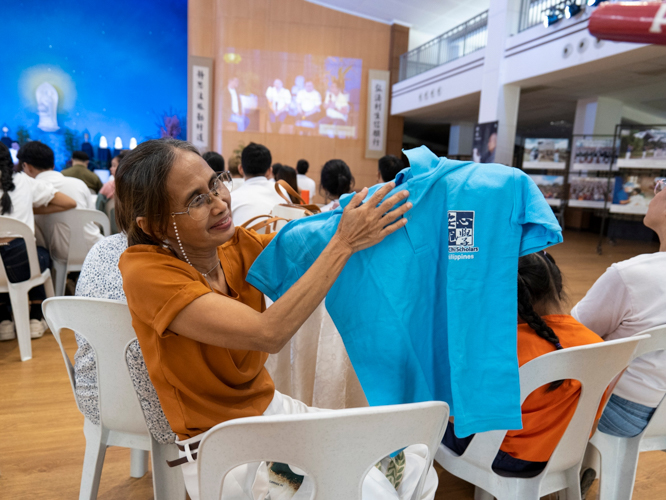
{"x": 457, "y": 42}
{"x": 532, "y": 11}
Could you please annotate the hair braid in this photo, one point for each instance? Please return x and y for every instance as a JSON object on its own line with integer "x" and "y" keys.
{"x": 6, "y": 180}
{"x": 536, "y": 322}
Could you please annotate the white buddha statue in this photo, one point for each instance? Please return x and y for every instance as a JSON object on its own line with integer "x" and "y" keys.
{"x": 47, "y": 107}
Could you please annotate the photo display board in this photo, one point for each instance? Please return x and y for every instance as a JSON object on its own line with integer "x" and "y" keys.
{"x": 642, "y": 147}
{"x": 592, "y": 153}
{"x": 551, "y": 154}
{"x": 588, "y": 192}
{"x": 551, "y": 186}
{"x": 632, "y": 193}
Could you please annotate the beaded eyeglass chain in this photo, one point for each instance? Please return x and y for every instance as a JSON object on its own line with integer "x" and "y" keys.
{"x": 182, "y": 250}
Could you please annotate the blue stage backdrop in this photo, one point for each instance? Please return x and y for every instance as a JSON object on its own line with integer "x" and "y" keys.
{"x": 98, "y": 76}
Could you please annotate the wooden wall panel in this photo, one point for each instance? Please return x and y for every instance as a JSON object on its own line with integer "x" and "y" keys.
{"x": 300, "y": 27}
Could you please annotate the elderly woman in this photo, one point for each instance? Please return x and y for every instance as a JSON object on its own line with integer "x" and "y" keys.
{"x": 205, "y": 333}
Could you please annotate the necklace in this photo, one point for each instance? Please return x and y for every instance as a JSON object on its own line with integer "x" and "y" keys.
{"x": 205, "y": 275}
{"x": 180, "y": 244}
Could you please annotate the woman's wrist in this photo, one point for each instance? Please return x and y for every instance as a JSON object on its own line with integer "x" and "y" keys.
{"x": 340, "y": 244}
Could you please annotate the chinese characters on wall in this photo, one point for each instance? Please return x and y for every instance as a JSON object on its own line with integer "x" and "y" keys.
{"x": 378, "y": 103}
{"x": 200, "y": 112}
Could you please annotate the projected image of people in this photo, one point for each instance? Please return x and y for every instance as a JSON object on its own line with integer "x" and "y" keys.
{"x": 283, "y": 93}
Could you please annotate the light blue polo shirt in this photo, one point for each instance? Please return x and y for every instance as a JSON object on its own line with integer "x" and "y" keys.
{"x": 430, "y": 313}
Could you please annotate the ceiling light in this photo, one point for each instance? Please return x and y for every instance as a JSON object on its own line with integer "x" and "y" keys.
{"x": 551, "y": 16}
{"x": 572, "y": 10}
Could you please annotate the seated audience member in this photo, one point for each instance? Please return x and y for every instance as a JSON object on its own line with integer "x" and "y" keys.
{"x": 214, "y": 160}
{"x": 388, "y": 168}
{"x": 79, "y": 169}
{"x": 273, "y": 171}
{"x": 542, "y": 328}
{"x": 336, "y": 105}
{"x": 101, "y": 279}
{"x": 186, "y": 262}
{"x": 288, "y": 174}
{"x": 629, "y": 298}
{"x": 336, "y": 180}
{"x": 279, "y": 99}
{"x": 257, "y": 195}
{"x": 308, "y": 101}
{"x": 304, "y": 182}
{"x": 109, "y": 187}
{"x": 37, "y": 161}
{"x": 236, "y": 172}
{"x": 21, "y": 198}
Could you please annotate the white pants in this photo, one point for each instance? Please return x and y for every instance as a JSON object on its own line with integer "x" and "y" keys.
{"x": 250, "y": 481}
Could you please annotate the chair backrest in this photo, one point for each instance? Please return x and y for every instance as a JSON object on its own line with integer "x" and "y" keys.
{"x": 12, "y": 228}
{"x": 107, "y": 326}
{"x": 594, "y": 366}
{"x": 75, "y": 220}
{"x": 657, "y": 342}
{"x": 335, "y": 448}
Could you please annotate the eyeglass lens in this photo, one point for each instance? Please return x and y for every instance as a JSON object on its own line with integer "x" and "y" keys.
{"x": 200, "y": 207}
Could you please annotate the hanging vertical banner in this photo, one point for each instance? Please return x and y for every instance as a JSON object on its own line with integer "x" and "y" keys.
{"x": 378, "y": 102}
{"x": 485, "y": 142}
{"x": 200, "y": 102}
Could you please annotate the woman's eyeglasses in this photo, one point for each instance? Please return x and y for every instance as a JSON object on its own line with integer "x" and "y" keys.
{"x": 200, "y": 206}
{"x": 659, "y": 186}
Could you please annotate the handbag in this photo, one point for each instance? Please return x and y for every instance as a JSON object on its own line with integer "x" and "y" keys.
{"x": 291, "y": 210}
{"x": 270, "y": 224}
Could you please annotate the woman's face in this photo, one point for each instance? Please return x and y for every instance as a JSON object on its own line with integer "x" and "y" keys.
{"x": 190, "y": 177}
{"x": 114, "y": 166}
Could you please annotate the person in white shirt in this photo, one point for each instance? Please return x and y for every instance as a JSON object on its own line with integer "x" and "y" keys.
{"x": 20, "y": 198}
{"x": 304, "y": 182}
{"x": 279, "y": 99}
{"x": 236, "y": 172}
{"x": 309, "y": 102}
{"x": 233, "y": 106}
{"x": 257, "y": 195}
{"x": 630, "y": 297}
{"x": 337, "y": 106}
{"x": 76, "y": 189}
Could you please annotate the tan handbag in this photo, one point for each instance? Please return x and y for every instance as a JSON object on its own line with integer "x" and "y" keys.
{"x": 270, "y": 224}
{"x": 301, "y": 205}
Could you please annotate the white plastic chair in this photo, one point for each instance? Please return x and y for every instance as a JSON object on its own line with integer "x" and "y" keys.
{"x": 107, "y": 326}
{"x": 336, "y": 448}
{"x": 75, "y": 220}
{"x": 594, "y": 366}
{"x": 18, "y": 292}
{"x": 619, "y": 456}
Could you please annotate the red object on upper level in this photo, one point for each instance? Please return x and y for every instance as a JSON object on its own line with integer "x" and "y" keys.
{"x": 638, "y": 22}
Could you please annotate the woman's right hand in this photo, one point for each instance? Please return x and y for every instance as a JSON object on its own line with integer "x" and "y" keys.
{"x": 365, "y": 225}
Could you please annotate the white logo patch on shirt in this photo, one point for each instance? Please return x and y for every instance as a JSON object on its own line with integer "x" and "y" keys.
{"x": 461, "y": 231}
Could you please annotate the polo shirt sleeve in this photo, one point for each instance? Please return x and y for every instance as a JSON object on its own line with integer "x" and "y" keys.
{"x": 531, "y": 211}
{"x": 42, "y": 192}
{"x": 158, "y": 287}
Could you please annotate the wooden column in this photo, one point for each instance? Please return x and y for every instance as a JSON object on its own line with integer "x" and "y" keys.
{"x": 399, "y": 45}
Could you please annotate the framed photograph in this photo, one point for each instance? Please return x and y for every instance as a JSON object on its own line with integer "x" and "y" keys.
{"x": 642, "y": 148}
{"x": 592, "y": 153}
{"x": 551, "y": 186}
{"x": 549, "y": 154}
{"x": 588, "y": 192}
{"x": 632, "y": 194}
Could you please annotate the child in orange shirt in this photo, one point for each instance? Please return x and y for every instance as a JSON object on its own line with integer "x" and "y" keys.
{"x": 542, "y": 328}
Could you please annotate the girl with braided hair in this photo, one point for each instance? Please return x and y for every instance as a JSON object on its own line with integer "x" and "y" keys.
{"x": 543, "y": 327}
{"x": 21, "y": 197}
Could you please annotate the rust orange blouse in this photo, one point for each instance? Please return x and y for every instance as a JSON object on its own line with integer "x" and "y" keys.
{"x": 199, "y": 385}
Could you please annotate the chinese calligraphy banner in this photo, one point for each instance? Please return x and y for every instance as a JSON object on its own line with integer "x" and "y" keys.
{"x": 200, "y": 102}
{"x": 378, "y": 103}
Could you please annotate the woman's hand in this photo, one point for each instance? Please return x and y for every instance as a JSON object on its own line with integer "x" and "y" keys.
{"x": 363, "y": 226}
